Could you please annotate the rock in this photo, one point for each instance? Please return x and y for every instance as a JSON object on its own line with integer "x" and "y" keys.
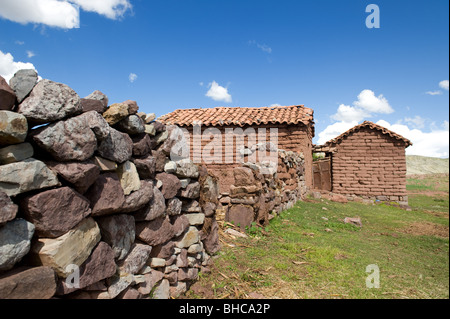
{"x": 192, "y": 191}
{"x": 155, "y": 209}
{"x": 100, "y": 265}
{"x": 190, "y": 237}
{"x": 195, "y": 249}
{"x": 133, "y": 108}
{"x": 99, "y": 96}
{"x": 170, "y": 167}
{"x": 209, "y": 190}
{"x": 196, "y": 219}
{"x": 161, "y": 138}
{"x": 73, "y": 248}
{"x": 115, "y": 113}
{"x": 131, "y": 125}
{"x": 174, "y": 143}
{"x": 151, "y": 280}
{"x": 119, "y": 284}
{"x": 354, "y": 221}
{"x": 182, "y": 261}
{"x": 187, "y": 169}
{"x": 80, "y": 175}
{"x": 187, "y": 274}
{"x": 240, "y": 215}
{"x": 174, "y": 207}
{"x": 23, "y": 83}
{"x": 243, "y": 190}
{"x": 138, "y": 199}
{"x": 55, "y": 212}
{"x": 155, "y": 232}
{"x": 150, "y": 118}
{"x": 243, "y": 176}
{"x": 185, "y": 182}
{"x": 210, "y": 235}
{"x": 119, "y": 232}
{"x": 97, "y": 124}
{"x": 142, "y": 145}
{"x": 209, "y": 209}
{"x": 163, "y": 251}
{"x": 8, "y": 210}
{"x": 146, "y": 167}
{"x": 117, "y": 147}
{"x": 129, "y": 294}
{"x": 150, "y": 130}
{"x": 191, "y": 207}
{"x": 129, "y": 177}
{"x": 106, "y": 195}
{"x": 7, "y": 96}
{"x": 136, "y": 259}
{"x": 104, "y": 164}
{"x": 15, "y": 153}
{"x": 180, "y": 225}
{"x": 70, "y": 140}
{"x": 171, "y": 185}
{"x": 339, "y": 198}
{"x": 15, "y": 243}
{"x": 49, "y": 102}
{"x": 96, "y": 101}
{"x": 25, "y": 176}
{"x": 160, "y": 160}
{"x": 162, "y": 291}
{"x": 34, "y": 283}
{"x": 157, "y": 262}
{"x": 13, "y": 128}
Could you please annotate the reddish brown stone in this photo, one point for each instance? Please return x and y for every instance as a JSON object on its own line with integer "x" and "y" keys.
{"x": 106, "y": 195}
{"x": 8, "y": 210}
{"x": 80, "y": 175}
{"x": 171, "y": 185}
{"x": 7, "y": 96}
{"x": 241, "y": 216}
{"x": 142, "y": 145}
{"x": 34, "y": 283}
{"x": 155, "y": 232}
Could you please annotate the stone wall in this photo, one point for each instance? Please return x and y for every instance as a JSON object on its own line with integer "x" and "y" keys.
{"x": 253, "y": 192}
{"x": 88, "y": 188}
{"x": 371, "y": 165}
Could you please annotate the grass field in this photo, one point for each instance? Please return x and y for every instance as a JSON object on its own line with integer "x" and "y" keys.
{"x": 309, "y": 252}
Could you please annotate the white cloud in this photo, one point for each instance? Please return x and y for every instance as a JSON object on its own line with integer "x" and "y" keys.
{"x": 444, "y": 84}
{"x": 432, "y": 144}
{"x": 334, "y": 130}
{"x": 275, "y": 105}
{"x": 373, "y": 104}
{"x": 8, "y": 67}
{"x": 262, "y": 47}
{"x": 20, "y": 42}
{"x": 132, "y": 77}
{"x": 417, "y": 121}
{"x": 434, "y": 92}
{"x": 218, "y": 93}
{"x": 60, "y": 13}
{"x": 30, "y": 54}
{"x": 349, "y": 114}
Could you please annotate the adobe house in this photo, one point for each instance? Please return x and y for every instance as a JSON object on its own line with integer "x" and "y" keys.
{"x": 291, "y": 128}
{"x": 366, "y": 161}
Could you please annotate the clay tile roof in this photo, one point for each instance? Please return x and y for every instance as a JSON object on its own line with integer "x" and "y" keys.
{"x": 373, "y": 126}
{"x": 221, "y": 116}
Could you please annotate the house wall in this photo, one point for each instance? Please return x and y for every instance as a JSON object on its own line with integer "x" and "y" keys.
{"x": 370, "y": 164}
{"x": 296, "y": 138}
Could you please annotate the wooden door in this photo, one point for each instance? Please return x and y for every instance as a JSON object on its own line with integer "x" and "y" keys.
{"x": 322, "y": 174}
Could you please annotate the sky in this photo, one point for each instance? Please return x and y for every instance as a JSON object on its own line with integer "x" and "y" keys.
{"x": 389, "y": 65}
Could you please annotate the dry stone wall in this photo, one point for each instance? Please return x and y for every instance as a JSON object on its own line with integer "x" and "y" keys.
{"x": 88, "y": 191}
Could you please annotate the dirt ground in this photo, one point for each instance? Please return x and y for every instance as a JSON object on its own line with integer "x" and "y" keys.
{"x": 426, "y": 229}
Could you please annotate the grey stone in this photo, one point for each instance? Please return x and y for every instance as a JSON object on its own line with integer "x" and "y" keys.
{"x": 15, "y": 243}
{"x": 174, "y": 206}
{"x": 132, "y": 125}
{"x": 16, "y": 153}
{"x": 136, "y": 259}
{"x": 162, "y": 291}
{"x": 13, "y": 128}
{"x": 23, "y": 83}
{"x": 119, "y": 232}
{"x": 187, "y": 169}
{"x": 8, "y": 210}
{"x": 155, "y": 209}
{"x": 117, "y": 147}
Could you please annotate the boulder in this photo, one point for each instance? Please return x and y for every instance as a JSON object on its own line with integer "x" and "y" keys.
{"x": 163, "y": 251}
{"x": 162, "y": 292}
{"x": 146, "y": 167}
{"x": 178, "y": 289}
{"x": 170, "y": 167}
{"x": 80, "y": 175}
{"x": 191, "y": 206}
{"x": 170, "y": 185}
{"x": 105, "y": 165}
{"x": 65, "y": 141}
{"x": 240, "y": 215}
{"x": 138, "y": 199}
{"x": 196, "y": 219}
{"x": 210, "y": 235}
{"x": 150, "y": 118}
{"x": 150, "y": 280}
{"x": 34, "y": 283}
{"x": 136, "y": 259}
{"x": 174, "y": 206}
{"x": 187, "y": 274}
{"x": 155, "y": 209}
{"x": 160, "y": 160}
{"x": 73, "y": 248}
{"x": 142, "y": 145}
{"x": 106, "y": 195}
{"x": 15, "y": 153}
{"x": 356, "y": 221}
{"x": 192, "y": 191}
{"x": 155, "y": 232}
{"x": 187, "y": 169}
{"x": 8, "y": 210}
{"x": 15, "y": 237}
{"x": 129, "y": 177}
{"x": 7, "y": 96}
{"x": 119, "y": 232}
{"x": 180, "y": 225}
{"x": 100, "y": 265}
{"x": 49, "y": 102}
{"x": 119, "y": 284}
{"x": 131, "y": 125}
{"x": 25, "y": 176}
{"x": 23, "y": 83}
{"x": 96, "y": 101}
{"x": 115, "y": 113}
{"x": 13, "y": 128}
{"x": 133, "y": 108}
{"x": 117, "y": 147}
{"x": 97, "y": 124}
{"x": 189, "y": 238}
{"x": 243, "y": 176}
{"x": 55, "y": 212}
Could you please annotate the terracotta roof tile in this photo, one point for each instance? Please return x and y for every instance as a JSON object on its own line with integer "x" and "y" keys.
{"x": 371, "y": 125}
{"x": 221, "y": 116}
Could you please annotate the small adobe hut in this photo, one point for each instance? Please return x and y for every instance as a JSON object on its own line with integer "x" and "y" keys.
{"x": 294, "y": 125}
{"x": 366, "y": 161}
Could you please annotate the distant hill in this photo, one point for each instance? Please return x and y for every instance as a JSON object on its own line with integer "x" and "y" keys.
{"x": 426, "y": 165}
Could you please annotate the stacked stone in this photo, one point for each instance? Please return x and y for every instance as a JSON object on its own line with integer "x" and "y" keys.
{"x": 88, "y": 189}
{"x": 259, "y": 191}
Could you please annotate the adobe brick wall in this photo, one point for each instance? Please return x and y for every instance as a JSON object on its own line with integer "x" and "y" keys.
{"x": 296, "y": 138}
{"x": 370, "y": 164}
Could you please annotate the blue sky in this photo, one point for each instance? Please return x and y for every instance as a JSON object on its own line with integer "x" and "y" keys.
{"x": 248, "y": 54}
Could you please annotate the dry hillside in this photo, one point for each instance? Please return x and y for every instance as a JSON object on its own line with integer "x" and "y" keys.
{"x": 426, "y": 165}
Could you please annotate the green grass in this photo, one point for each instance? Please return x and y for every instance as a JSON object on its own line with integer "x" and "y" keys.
{"x": 308, "y": 252}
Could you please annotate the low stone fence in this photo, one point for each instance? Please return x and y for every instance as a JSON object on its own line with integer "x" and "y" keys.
{"x": 91, "y": 206}
{"x": 258, "y": 192}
